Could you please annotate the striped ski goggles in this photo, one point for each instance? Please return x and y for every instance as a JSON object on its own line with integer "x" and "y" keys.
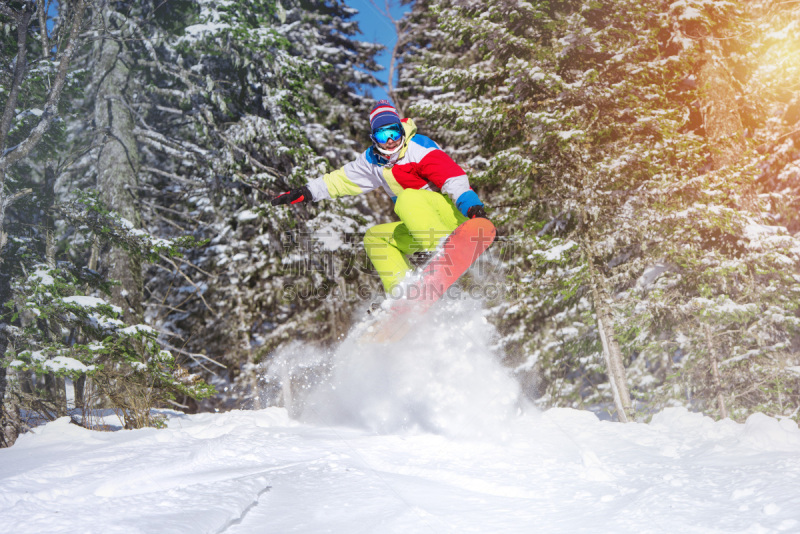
{"x": 392, "y": 132}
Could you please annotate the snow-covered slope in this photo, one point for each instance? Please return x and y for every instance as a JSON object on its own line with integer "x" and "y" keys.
{"x": 260, "y": 471}
{"x": 429, "y": 437}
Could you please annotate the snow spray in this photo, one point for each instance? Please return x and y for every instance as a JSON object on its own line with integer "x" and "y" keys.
{"x": 443, "y": 378}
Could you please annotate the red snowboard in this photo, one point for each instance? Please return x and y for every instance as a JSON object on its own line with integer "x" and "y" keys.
{"x": 451, "y": 260}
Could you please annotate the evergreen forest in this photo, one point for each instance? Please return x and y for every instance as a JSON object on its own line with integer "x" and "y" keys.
{"x": 640, "y": 159}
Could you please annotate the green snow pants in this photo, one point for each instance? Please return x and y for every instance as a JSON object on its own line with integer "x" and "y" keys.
{"x": 426, "y": 217}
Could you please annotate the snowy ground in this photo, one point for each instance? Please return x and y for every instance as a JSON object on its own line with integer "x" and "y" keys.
{"x": 428, "y": 437}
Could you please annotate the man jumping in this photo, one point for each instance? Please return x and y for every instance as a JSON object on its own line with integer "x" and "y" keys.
{"x": 431, "y": 193}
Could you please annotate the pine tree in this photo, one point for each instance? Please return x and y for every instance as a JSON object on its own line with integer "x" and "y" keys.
{"x": 51, "y": 329}
{"x": 29, "y": 128}
{"x": 186, "y": 118}
{"x": 244, "y": 100}
{"x": 226, "y": 104}
{"x": 590, "y": 130}
{"x": 117, "y": 160}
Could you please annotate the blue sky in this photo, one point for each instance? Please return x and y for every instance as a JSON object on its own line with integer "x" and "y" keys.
{"x": 52, "y": 12}
{"x": 376, "y": 28}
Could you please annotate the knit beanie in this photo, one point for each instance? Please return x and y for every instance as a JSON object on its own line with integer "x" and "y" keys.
{"x": 383, "y": 114}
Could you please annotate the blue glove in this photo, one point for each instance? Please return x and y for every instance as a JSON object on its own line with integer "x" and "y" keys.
{"x": 467, "y": 201}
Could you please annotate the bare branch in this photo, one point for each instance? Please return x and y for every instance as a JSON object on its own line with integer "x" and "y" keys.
{"x": 165, "y": 109}
{"x": 246, "y": 180}
{"x": 173, "y": 70}
{"x": 23, "y": 21}
{"x": 187, "y": 262}
{"x": 189, "y": 297}
{"x": 194, "y": 355}
{"x": 788, "y": 133}
{"x": 8, "y": 12}
{"x": 399, "y": 31}
{"x": 168, "y": 221}
{"x": 177, "y": 404}
{"x": 41, "y": 8}
{"x": 174, "y": 93}
{"x": 166, "y": 141}
{"x": 51, "y": 107}
{"x": 235, "y": 147}
{"x": 16, "y": 196}
{"x": 178, "y": 270}
{"x": 176, "y": 212}
{"x": 173, "y": 176}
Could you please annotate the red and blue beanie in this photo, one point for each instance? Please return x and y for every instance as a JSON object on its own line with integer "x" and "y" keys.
{"x": 382, "y": 115}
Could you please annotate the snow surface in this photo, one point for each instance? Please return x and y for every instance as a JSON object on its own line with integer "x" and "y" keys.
{"x": 556, "y": 253}
{"x": 42, "y": 275}
{"x": 246, "y": 216}
{"x": 430, "y": 436}
{"x": 90, "y": 302}
{"x": 65, "y": 363}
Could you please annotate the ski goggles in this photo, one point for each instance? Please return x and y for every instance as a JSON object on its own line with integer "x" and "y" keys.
{"x": 393, "y": 132}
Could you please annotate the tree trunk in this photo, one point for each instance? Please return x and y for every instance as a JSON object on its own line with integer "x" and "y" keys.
{"x": 611, "y": 351}
{"x": 41, "y": 9}
{"x": 118, "y": 163}
{"x": 5, "y": 441}
{"x": 250, "y": 371}
{"x": 9, "y": 427}
{"x": 716, "y": 379}
{"x": 20, "y": 69}
{"x": 48, "y": 198}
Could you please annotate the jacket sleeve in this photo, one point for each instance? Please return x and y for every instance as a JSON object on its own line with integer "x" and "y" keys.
{"x": 450, "y": 178}
{"x": 354, "y": 178}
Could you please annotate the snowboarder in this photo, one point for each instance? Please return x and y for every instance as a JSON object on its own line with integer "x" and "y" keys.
{"x": 431, "y": 193}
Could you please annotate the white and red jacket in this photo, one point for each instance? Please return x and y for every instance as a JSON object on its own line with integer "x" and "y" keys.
{"x": 419, "y": 164}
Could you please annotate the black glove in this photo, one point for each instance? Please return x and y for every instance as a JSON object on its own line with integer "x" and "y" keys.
{"x": 477, "y": 211}
{"x": 295, "y": 196}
